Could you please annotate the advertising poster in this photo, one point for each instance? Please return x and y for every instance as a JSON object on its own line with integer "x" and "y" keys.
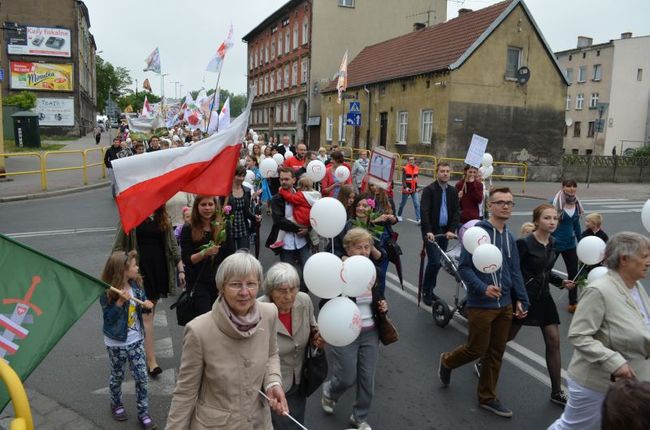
{"x": 476, "y": 150}
{"x": 42, "y": 41}
{"x": 41, "y": 76}
{"x": 55, "y": 111}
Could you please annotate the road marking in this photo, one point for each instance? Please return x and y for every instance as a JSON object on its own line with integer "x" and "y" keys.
{"x": 160, "y": 318}
{"x": 60, "y": 232}
{"x": 626, "y": 206}
{"x": 601, "y": 200}
{"x": 163, "y": 348}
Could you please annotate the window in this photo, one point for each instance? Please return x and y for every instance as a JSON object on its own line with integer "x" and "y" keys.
{"x": 402, "y": 125}
{"x": 292, "y": 112}
{"x": 278, "y": 113}
{"x": 285, "y": 22}
{"x": 568, "y": 103}
{"x": 329, "y": 125}
{"x": 250, "y": 61}
{"x": 575, "y": 151}
{"x": 305, "y": 31}
{"x": 569, "y": 75}
{"x": 267, "y": 88}
{"x": 426, "y": 126}
{"x": 279, "y": 44}
{"x": 273, "y": 49}
{"x": 513, "y": 62}
{"x": 285, "y": 111}
{"x": 639, "y": 75}
{"x": 257, "y": 57}
{"x": 287, "y": 41}
{"x": 295, "y": 36}
{"x": 341, "y": 129}
{"x": 598, "y": 71}
{"x": 582, "y": 73}
{"x": 294, "y": 73}
{"x": 304, "y": 69}
{"x": 566, "y": 130}
{"x": 580, "y": 99}
{"x": 593, "y": 101}
{"x": 266, "y": 52}
{"x": 272, "y": 82}
{"x": 576, "y": 128}
{"x": 286, "y": 75}
{"x": 346, "y": 3}
{"x": 591, "y": 128}
{"x": 589, "y": 151}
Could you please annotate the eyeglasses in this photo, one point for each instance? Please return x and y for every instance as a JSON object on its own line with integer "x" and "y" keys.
{"x": 238, "y": 286}
{"x": 504, "y": 203}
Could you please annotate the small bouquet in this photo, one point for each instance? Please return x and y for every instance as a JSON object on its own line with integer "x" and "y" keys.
{"x": 375, "y": 230}
{"x": 220, "y": 233}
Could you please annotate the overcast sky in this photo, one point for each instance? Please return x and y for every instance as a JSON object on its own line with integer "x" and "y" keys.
{"x": 188, "y": 32}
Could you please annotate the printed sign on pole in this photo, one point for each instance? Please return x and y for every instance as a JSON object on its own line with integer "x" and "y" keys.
{"x": 355, "y": 107}
{"x": 476, "y": 150}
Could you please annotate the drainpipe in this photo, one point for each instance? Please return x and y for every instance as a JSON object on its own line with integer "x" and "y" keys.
{"x": 365, "y": 88}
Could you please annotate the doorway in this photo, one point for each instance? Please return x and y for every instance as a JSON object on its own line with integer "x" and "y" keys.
{"x": 383, "y": 128}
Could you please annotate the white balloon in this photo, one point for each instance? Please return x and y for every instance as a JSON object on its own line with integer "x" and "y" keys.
{"x": 358, "y": 275}
{"x": 342, "y": 174}
{"x": 288, "y": 154}
{"x": 645, "y": 215}
{"x": 487, "y": 258}
{"x": 596, "y": 273}
{"x": 250, "y": 148}
{"x": 487, "y": 172}
{"x": 328, "y": 217}
{"x": 339, "y": 321}
{"x": 487, "y": 160}
{"x": 242, "y": 161}
{"x": 322, "y": 275}
{"x": 278, "y": 158}
{"x": 250, "y": 177}
{"x": 316, "y": 170}
{"x": 268, "y": 168}
{"x": 591, "y": 250}
{"x": 473, "y": 237}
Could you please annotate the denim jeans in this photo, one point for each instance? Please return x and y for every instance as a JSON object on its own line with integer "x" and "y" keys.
{"x": 433, "y": 264}
{"x": 416, "y": 204}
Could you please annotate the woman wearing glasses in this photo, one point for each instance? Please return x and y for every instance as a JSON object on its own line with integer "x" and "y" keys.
{"x": 228, "y": 354}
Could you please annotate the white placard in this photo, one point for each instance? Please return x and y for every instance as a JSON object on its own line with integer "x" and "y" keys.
{"x": 55, "y": 111}
{"x": 42, "y": 41}
{"x": 476, "y": 150}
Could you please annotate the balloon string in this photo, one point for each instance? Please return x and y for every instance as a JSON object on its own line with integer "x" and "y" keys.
{"x": 286, "y": 413}
{"x": 496, "y": 284}
{"x": 579, "y": 272}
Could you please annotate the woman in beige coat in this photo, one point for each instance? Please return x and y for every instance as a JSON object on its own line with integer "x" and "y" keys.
{"x": 297, "y": 326}
{"x": 610, "y": 332}
{"x": 228, "y": 354}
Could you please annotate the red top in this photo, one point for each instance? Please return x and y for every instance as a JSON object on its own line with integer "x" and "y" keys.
{"x": 294, "y": 163}
{"x": 328, "y": 180}
{"x": 470, "y": 201}
{"x": 301, "y": 206}
{"x": 285, "y": 319}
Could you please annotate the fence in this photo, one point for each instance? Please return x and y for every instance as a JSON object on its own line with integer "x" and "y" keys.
{"x": 599, "y": 168}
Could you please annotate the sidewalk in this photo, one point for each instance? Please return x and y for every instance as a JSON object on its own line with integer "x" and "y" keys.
{"x": 26, "y": 186}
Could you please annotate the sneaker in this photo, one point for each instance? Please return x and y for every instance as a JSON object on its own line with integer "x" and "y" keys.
{"x": 399, "y": 218}
{"x": 278, "y": 244}
{"x": 571, "y": 309}
{"x": 497, "y": 408}
{"x": 362, "y": 425}
{"x": 327, "y": 404}
{"x": 119, "y": 413}
{"x": 477, "y": 368}
{"x": 444, "y": 373}
{"x": 147, "y": 423}
{"x": 559, "y": 398}
{"x": 428, "y": 299}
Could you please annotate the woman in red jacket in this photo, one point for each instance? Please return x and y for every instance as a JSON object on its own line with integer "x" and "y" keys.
{"x": 470, "y": 194}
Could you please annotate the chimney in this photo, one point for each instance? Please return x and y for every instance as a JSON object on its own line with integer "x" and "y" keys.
{"x": 464, "y": 11}
{"x": 584, "y": 42}
{"x": 419, "y": 26}
{"x": 626, "y": 35}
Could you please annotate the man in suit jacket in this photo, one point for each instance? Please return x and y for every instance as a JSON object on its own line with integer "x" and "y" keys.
{"x": 440, "y": 216}
{"x": 285, "y": 146}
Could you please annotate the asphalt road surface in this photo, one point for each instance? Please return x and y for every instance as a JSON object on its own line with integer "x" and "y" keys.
{"x": 79, "y": 230}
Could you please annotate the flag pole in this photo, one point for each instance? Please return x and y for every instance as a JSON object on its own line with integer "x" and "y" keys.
{"x": 138, "y": 301}
{"x": 216, "y": 88}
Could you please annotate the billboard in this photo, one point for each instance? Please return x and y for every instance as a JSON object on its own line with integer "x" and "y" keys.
{"x": 42, "y": 41}
{"x": 40, "y": 76}
{"x": 55, "y": 111}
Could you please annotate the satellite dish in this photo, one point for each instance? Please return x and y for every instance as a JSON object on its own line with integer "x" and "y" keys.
{"x": 568, "y": 122}
{"x": 523, "y": 75}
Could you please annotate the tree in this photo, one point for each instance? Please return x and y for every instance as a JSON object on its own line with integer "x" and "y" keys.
{"x": 237, "y": 102}
{"x": 136, "y": 101}
{"x": 110, "y": 79}
{"x": 24, "y": 100}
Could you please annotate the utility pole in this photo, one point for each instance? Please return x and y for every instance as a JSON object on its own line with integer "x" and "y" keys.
{"x": 599, "y": 126}
{"x": 2, "y": 138}
{"x": 176, "y": 89}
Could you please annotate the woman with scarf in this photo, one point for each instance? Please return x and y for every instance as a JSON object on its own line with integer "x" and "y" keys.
{"x": 568, "y": 232}
{"x": 228, "y": 354}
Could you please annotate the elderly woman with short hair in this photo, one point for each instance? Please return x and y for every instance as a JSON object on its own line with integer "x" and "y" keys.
{"x": 298, "y": 325}
{"x": 610, "y": 332}
{"x": 228, "y": 354}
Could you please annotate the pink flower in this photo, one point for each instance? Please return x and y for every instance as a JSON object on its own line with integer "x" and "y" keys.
{"x": 371, "y": 203}
{"x": 227, "y": 209}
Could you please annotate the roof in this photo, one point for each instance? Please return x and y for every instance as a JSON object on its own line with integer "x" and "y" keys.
{"x": 445, "y": 46}
{"x": 271, "y": 19}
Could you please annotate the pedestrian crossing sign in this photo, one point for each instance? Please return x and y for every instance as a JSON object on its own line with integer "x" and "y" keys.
{"x": 355, "y": 107}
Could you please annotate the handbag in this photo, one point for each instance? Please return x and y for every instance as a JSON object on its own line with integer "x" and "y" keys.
{"x": 185, "y": 309}
{"x": 314, "y": 370}
{"x": 387, "y": 331}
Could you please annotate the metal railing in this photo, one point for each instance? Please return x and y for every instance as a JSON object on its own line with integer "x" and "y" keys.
{"x": 23, "y": 420}
{"x": 43, "y": 169}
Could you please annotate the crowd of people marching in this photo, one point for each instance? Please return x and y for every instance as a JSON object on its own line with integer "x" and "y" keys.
{"x": 254, "y": 328}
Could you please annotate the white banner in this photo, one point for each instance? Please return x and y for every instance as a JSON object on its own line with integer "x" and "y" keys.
{"x": 55, "y": 111}
{"x": 44, "y": 41}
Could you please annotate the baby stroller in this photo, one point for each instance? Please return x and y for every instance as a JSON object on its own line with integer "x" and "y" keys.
{"x": 440, "y": 310}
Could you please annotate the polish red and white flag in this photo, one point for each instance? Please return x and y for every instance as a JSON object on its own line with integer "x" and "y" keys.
{"x": 146, "y": 181}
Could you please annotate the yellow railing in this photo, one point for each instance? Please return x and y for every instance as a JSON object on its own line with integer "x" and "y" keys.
{"x": 23, "y": 420}
{"x": 44, "y": 170}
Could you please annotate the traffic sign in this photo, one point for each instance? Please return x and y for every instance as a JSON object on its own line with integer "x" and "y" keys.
{"x": 353, "y": 119}
{"x": 355, "y": 107}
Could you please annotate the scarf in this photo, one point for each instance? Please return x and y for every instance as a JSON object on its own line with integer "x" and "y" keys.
{"x": 561, "y": 199}
{"x": 246, "y": 322}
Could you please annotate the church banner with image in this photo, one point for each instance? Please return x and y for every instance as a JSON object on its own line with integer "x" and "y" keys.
{"x": 41, "y": 76}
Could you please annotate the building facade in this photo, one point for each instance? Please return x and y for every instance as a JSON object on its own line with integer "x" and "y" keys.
{"x": 428, "y": 91}
{"x": 607, "y": 87}
{"x": 293, "y": 54}
{"x": 51, "y": 52}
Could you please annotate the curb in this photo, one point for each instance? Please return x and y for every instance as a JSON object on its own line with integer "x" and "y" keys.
{"x": 528, "y": 196}
{"x": 55, "y": 193}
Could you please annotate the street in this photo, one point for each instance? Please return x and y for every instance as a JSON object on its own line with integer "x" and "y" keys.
{"x": 79, "y": 229}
